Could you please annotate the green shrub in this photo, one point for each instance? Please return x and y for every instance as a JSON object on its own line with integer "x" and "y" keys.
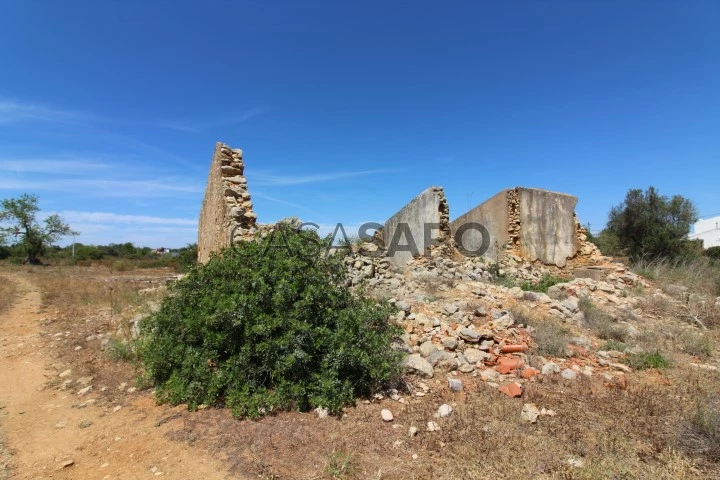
{"x": 500, "y": 278}
{"x": 614, "y": 345}
{"x": 268, "y": 326}
{"x": 119, "y": 350}
{"x": 643, "y": 361}
{"x": 713, "y": 253}
{"x": 120, "y": 266}
{"x": 542, "y": 285}
{"x": 187, "y": 257}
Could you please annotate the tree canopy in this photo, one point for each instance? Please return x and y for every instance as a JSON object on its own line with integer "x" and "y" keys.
{"x": 18, "y": 218}
{"x": 648, "y": 224}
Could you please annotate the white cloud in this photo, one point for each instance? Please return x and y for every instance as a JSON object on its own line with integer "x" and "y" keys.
{"x": 72, "y": 216}
{"x": 271, "y": 180}
{"x": 198, "y": 126}
{"x": 166, "y": 187}
{"x": 56, "y": 166}
{"x": 15, "y": 112}
{"x": 101, "y": 228}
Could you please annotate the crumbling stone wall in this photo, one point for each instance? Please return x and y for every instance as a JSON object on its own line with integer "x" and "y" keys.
{"x": 547, "y": 226}
{"x": 513, "y": 210}
{"x": 410, "y": 224}
{"x": 493, "y": 215}
{"x": 227, "y": 207}
{"x": 530, "y": 223}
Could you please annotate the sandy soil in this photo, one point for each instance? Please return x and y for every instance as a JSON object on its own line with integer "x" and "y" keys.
{"x": 55, "y": 433}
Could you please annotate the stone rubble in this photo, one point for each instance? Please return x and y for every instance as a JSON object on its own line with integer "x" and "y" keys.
{"x": 469, "y": 318}
{"x": 460, "y": 319}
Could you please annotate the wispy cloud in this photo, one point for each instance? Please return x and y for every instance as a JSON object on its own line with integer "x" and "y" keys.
{"x": 55, "y": 166}
{"x": 200, "y": 125}
{"x": 142, "y": 230}
{"x": 15, "y": 112}
{"x": 115, "y": 218}
{"x": 166, "y": 187}
{"x": 270, "y": 180}
{"x": 297, "y": 206}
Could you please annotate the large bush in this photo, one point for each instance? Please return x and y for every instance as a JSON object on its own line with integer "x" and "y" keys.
{"x": 268, "y": 326}
{"x": 713, "y": 253}
{"x": 650, "y": 225}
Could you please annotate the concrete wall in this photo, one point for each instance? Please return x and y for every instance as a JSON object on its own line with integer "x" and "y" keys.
{"x": 408, "y": 225}
{"x": 533, "y": 223}
{"x": 226, "y": 207}
{"x": 547, "y": 226}
{"x": 493, "y": 215}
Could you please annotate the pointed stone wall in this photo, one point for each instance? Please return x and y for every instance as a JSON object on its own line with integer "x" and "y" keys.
{"x": 227, "y": 215}
{"x": 423, "y": 223}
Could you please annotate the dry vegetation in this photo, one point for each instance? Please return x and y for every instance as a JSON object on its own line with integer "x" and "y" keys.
{"x": 5, "y": 458}
{"x": 7, "y": 294}
{"x": 694, "y": 283}
{"x": 95, "y": 305}
{"x": 664, "y": 424}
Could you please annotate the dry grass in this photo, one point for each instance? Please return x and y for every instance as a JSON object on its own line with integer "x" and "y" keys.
{"x": 75, "y": 290}
{"x": 5, "y": 459}
{"x": 700, "y": 434}
{"x": 663, "y": 426}
{"x": 550, "y": 338}
{"x": 8, "y": 291}
{"x": 95, "y": 306}
{"x": 694, "y": 284}
{"x": 602, "y": 323}
{"x": 699, "y": 275}
{"x": 633, "y": 433}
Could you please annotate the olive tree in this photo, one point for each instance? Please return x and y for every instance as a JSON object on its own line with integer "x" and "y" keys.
{"x": 648, "y": 224}
{"x": 18, "y": 219}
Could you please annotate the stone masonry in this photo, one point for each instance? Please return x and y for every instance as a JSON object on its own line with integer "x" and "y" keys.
{"x": 531, "y": 223}
{"x": 227, "y": 208}
{"x": 423, "y": 223}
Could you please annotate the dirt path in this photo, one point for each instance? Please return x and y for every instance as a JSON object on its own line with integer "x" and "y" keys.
{"x": 58, "y": 434}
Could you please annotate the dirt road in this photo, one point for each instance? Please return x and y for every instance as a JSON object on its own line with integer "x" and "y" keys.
{"x": 55, "y": 433}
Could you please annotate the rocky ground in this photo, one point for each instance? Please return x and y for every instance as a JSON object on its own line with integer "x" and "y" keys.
{"x": 501, "y": 381}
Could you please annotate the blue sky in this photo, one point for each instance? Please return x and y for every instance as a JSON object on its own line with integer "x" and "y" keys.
{"x": 109, "y": 111}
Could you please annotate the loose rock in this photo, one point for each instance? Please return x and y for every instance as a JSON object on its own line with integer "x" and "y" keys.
{"x": 386, "y": 415}
{"x": 530, "y": 412}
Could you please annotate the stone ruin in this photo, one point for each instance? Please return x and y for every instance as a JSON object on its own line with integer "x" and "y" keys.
{"x": 462, "y": 314}
{"x": 534, "y": 224}
{"x": 521, "y": 224}
{"x": 422, "y": 225}
{"x": 227, "y": 215}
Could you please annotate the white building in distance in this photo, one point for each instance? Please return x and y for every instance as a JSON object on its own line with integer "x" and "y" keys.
{"x": 707, "y": 230}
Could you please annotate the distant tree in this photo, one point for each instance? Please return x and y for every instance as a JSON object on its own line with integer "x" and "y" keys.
{"x": 650, "y": 225}
{"x": 187, "y": 256}
{"x": 607, "y": 242}
{"x": 18, "y": 219}
{"x": 87, "y": 252}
